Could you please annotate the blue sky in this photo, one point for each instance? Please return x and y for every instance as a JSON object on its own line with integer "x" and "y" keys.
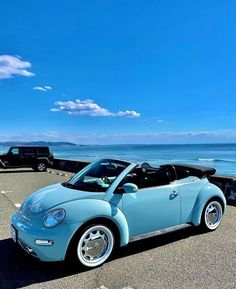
{"x": 118, "y": 71}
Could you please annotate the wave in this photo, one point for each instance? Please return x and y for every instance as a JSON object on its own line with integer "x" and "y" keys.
{"x": 206, "y": 160}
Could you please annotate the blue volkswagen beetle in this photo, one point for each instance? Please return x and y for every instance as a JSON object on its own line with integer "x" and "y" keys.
{"x": 111, "y": 203}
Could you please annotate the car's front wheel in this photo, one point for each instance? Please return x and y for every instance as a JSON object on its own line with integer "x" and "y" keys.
{"x": 211, "y": 215}
{"x": 94, "y": 245}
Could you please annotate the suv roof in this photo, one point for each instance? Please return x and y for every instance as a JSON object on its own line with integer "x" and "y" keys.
{"x": 29, "y": 146}
{"x": 36, "y": 150}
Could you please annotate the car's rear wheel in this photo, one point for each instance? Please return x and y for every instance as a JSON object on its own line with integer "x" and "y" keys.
{"x": 211, "y": 215}
{"x": 40, "y": 167}
{"x": 94, "y": 245}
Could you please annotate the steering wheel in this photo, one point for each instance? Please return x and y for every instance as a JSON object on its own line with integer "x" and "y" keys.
{"x": 170, "y": 169}
{"x": 145, "y": 166}
{"x": 106, "y": 180}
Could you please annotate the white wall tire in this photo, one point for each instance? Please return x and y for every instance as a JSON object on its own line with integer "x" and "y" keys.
{"x": 212, "y": 215}
{"x": 95, "y": 245}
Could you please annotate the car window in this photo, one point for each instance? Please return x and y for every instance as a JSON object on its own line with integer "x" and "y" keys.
{"x": 43, "y": 151}
{"x": 98, "y": 177}
{"x": 28, "y": 151}
{"x": 146, "y": 177}
{"x": 15, "y": 151}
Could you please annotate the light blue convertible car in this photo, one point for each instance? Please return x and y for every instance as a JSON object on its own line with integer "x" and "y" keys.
{"x": 111, "y": 203}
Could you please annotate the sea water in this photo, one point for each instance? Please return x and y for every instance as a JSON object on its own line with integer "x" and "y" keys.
{"x": 220, "y": 156}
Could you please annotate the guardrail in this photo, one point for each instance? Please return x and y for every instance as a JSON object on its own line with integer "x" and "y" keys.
{"x": 226, "y": 184}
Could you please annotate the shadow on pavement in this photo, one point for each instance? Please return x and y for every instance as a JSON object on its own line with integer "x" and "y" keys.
{"x": 155, "y": 242}
{"x": 19, "y": 269}
{"x": 16, "y": 171}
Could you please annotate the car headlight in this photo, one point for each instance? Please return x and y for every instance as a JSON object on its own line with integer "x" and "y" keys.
{"x": 54, "y": 218}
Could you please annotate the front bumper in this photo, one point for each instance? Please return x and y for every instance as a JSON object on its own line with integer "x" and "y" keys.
{"x": 28, "y": 232}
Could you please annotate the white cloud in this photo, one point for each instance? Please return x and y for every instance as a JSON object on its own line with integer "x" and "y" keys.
{"x": 180, "y": 137}
{"x": 11, "y": 66}
{"x": 43, "y": 88}
{"x": 184, "y": 137}
{"x": 40, "y": 88}
{"x": 153, "y": 120}
{"x": 89, "y": 107}
{"x": 128, "y": 113}
{"x": 39, "y": 136}
{"x": 81, "y": 107}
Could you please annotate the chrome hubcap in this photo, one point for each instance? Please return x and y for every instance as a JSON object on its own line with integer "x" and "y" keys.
{"x": 213, "y": 215}
{"x": 41, "y": 167}
{"x": 95, "y": 246}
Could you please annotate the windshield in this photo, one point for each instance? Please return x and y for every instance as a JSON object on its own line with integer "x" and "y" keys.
{"x": 97, "y": 177}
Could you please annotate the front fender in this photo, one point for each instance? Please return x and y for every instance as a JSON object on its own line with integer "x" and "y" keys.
{"x": 81, "y": 211}
{"x": 207, "y": 192}
{"x": 2, "y": 165}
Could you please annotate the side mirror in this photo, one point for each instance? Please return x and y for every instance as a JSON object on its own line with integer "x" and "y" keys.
{"x": 130, "y": 188}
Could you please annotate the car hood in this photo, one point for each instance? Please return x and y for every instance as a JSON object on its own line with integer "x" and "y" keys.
{"x": 55, "y": 195}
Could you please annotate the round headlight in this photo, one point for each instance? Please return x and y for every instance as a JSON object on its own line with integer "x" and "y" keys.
{"x": 54, "y": 218}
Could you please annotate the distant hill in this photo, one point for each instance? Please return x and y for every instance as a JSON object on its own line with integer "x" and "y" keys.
{"x": 36, "y": 143}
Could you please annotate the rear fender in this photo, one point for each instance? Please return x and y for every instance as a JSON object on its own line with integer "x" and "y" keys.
{"x": 207, "y": 192}
{"x": 45, "y": 160}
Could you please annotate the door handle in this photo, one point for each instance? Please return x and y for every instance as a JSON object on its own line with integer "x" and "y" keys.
{"x": 173, "y": 195}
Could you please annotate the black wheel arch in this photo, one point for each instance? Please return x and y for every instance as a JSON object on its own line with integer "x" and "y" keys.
{"x": 42, "y": 160}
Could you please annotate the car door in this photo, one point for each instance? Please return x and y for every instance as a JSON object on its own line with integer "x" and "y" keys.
{"x": 29, "y": 154}
{"x": 14, "y": 157}
{"x": 152, "y": 209}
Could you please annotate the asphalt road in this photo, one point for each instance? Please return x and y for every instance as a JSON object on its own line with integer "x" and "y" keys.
{"x": 181, "y": 259}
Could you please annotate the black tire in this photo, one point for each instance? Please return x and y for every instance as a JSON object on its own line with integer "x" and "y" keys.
{"x": 40, "y": 167}
{"x": 83, "y": 239}
{"x": 211, "y": 215}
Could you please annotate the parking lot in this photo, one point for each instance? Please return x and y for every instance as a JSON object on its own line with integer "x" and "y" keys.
{"x": 181, "y": 259}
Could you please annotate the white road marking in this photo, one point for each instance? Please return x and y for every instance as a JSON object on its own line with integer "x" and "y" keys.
{"x": 4, "y": 192}
{"x": 17, "y": 205}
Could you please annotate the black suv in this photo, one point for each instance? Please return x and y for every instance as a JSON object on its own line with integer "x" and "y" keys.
{"x": 38, "y": 158}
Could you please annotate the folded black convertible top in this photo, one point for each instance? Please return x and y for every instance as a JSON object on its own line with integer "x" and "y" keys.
{"x": 198, "y": 171}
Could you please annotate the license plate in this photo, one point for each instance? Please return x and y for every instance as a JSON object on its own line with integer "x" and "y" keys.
{"x": 13, "y": 233}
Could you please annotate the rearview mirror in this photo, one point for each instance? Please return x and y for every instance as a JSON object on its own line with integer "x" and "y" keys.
{"x": 130, "y": 188}
{"x": 111, "y": 167}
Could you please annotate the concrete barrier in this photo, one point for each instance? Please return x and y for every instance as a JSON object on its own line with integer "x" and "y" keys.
{"x": 72, "y": 166}
{"x": 226, "y": 184}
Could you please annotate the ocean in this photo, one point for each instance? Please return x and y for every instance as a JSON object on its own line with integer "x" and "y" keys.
{"x": 220, "y": 156}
